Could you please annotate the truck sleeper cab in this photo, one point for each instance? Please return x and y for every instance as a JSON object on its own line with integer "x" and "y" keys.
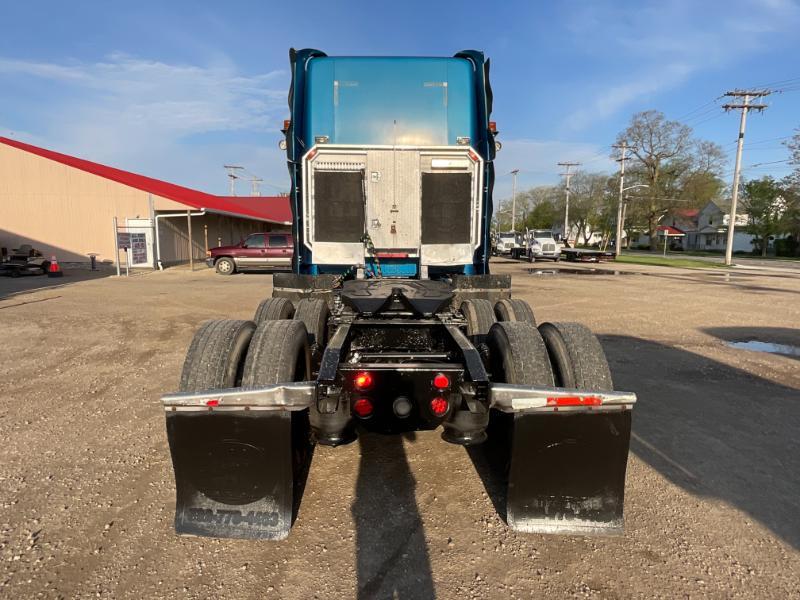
{"x": 390, "y": 320}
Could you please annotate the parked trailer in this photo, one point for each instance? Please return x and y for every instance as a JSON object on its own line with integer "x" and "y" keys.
{"x": 587, "y": 254}
{"x": 391, "y": 322}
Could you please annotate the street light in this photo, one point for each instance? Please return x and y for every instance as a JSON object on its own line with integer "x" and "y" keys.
{"x": 618, "y": 241}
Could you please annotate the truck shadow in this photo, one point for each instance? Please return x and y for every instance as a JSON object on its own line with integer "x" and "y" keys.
{"x": 712, "y": 429}
{"x": 391, "y": 551}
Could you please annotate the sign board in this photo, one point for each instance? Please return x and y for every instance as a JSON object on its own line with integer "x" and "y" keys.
{"x": 123, "y": 240}
{"x": 139, "y": 248}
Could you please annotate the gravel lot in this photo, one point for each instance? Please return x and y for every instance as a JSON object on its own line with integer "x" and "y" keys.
{"x": 713, "y": 493}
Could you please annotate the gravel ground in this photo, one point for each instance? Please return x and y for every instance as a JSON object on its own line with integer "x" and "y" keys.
{"x": 713, "y": 488}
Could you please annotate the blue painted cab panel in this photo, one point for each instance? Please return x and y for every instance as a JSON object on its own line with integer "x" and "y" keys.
{"x": 392, "y": 100}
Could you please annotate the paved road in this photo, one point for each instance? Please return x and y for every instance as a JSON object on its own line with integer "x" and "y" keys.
{"x": 86, "y": 494}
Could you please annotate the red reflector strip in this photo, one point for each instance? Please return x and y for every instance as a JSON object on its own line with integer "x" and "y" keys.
{"x": 212, "y": 402}
{"x": 575, "y": 401}
{"x": 391, "y": 254}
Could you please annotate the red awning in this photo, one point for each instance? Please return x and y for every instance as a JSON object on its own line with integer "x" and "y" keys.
{"x": 273, "y": 209}
{"x": 669, "y": 230}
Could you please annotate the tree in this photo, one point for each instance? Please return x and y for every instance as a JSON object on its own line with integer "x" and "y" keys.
{"x": 702, "y": 181}
{"x": 678, "y": 169}
{"x": 794, "y": 149}
{"x": 542, "y": 216}
{"x": 763, "y": 199}
{"x": 587, "y": 201}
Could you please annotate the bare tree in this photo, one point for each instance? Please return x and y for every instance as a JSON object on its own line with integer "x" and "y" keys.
{"x": 661, "y": 151}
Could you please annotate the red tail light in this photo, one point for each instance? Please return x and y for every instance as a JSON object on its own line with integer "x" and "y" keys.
{"x": 363, "y": 380}
{"x": 212, "y": 403}
{"x": 362, "y": 407}
{"x": 441, "y": 381}
{"x": 575, "y": 401}
{"x": 439, "y": 406}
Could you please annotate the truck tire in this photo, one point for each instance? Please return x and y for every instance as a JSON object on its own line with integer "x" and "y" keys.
{"x": 314, "y": 313}
{"x": 278, "y": 353}
{"x": 514, "y": 310}
{"x": 274, "y": 309}
{"x": 225, "y": 266}
{"x": 518, "y": 355}
{"x": 480, "y": 317}
{"x": 216, "y": 355}
{"x": 577, "y": 357}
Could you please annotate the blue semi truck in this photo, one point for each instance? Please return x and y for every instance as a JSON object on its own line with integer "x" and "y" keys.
{"x": 391, "y": 321}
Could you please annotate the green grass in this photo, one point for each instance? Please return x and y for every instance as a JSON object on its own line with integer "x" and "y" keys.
{"x": 739, "y": 255}
{"x": 661, "y": 261}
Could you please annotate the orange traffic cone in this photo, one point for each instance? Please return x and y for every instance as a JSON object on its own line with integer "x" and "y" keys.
{"x": 54, "y": 270}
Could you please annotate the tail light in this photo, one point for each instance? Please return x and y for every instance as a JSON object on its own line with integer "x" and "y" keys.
{"x": 363, "y": 381}
{"x": 362, "y": 407}
{"x": 441, "y": 381}
{"x": 439, "y": 406}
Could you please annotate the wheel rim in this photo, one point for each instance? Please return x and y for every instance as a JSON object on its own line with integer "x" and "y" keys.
{"x": 224, "y": 266}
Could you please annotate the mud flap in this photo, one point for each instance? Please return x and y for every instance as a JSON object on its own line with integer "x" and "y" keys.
{"x": 567, "y": 472}
{"x": 237, "y": 473}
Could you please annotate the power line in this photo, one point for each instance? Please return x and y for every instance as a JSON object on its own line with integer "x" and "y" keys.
{"x": 701, "y": 116}
{"x": 717, "y": 116}
{"x": 699, "y": 108}
{"x": 773, "y": 84}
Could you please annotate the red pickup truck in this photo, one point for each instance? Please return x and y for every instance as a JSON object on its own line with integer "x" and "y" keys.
{"x": 256, "y": 251}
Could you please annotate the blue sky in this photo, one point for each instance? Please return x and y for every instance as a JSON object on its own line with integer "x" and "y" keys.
{"x": 175, "y": 90}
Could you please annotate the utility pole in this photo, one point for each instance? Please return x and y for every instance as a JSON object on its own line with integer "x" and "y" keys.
{"x": 514, "y": 200}
{"x": 567, "y": 176}
{"x": 623, "y": 148}
{"x": 232, "y": 175}
{"x": 745, "y": 106}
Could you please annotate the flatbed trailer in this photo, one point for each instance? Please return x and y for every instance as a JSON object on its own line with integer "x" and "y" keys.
{"x": 391, "y": 322}
{"x": 587, "y": 255}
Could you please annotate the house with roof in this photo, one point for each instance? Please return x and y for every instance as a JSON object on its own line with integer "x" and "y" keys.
{"x": 706, "y": 228}
{"x": 67, "y": 206}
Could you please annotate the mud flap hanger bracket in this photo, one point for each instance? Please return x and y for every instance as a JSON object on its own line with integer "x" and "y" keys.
{"x": 283, "y": 396}
{"x": 534, "y": 399}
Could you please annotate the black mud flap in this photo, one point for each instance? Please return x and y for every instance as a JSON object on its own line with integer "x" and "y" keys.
{"x": 238, "y": 474}
{"x": 567, "y": 472}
